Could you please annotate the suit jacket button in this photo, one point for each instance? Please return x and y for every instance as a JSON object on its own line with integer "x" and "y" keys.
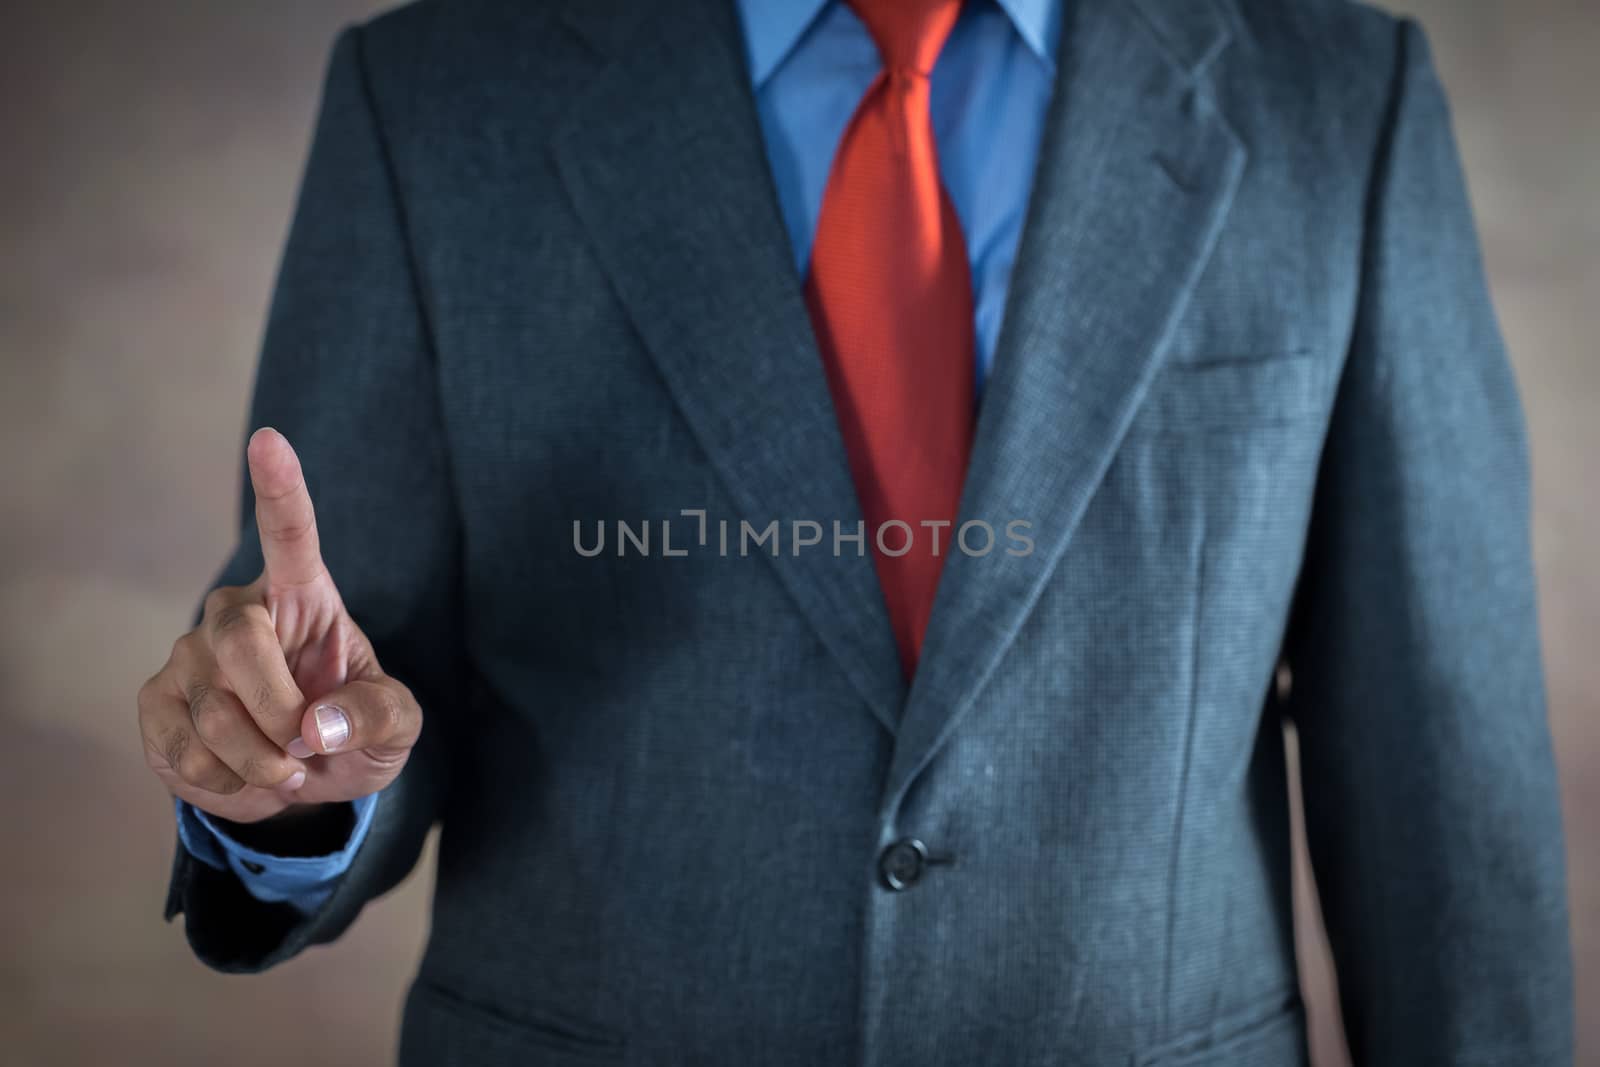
{"x": 902, "y": 864}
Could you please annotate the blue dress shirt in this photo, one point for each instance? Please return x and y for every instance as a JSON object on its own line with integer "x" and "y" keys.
{"x": 810, "y": 62}
{"x": 303, "y": 881}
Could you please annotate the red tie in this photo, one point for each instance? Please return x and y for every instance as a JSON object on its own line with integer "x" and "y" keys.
{"x": 890, "y": 295}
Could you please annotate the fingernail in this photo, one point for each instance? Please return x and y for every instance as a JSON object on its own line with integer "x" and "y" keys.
{"x": 293, "y": 782}
{"x": 299, "y": 749}
{"x": 333, "y": 727}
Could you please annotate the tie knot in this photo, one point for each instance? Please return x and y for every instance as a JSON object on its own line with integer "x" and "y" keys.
{"x": 908, "y": 33}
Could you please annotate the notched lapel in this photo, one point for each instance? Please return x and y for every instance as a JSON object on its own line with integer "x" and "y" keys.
{"x": 664, "y": 163}
{"x": 1135, "y": 176}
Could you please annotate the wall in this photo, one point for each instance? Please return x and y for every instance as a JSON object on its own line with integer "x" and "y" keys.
{"x": 150, "y": 157}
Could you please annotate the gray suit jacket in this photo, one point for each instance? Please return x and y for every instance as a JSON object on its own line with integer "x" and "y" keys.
{"x": 1250, "y": 395}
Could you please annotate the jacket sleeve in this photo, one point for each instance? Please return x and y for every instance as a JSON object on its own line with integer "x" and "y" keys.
{"x": 1430, "y": 791}
{"x": 304, "y": 881}
{"x": 347, "y": 373}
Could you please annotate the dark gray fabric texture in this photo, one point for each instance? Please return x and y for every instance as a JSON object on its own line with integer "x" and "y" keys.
{"x": 1249, "y": 394}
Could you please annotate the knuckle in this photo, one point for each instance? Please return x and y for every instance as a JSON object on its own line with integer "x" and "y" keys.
{"x": 265, "y": 696}
{"x": 252, "y": 770}
{"x": 233, "y": 625}
{"x": 155, "y": 755}
{"x": 221, "y": 780}
{"x": 209, "y": 710}
{"x": 201, "y": 769}
{"x": 152, "y": 705}
{"x": 293, "y": 528}
{"x": 174, "y": 747}
{"x": 391, "y": 712}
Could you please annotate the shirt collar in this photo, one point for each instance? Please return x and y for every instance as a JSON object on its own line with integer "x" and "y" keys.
{"x": 1038, "y": 22}
{"x": 773, "y": 27}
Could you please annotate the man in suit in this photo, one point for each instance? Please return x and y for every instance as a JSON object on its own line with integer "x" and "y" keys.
{"x": 1167, "y": 316}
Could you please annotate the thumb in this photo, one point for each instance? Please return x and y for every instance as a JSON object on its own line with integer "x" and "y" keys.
{"x": 377, "y": 713}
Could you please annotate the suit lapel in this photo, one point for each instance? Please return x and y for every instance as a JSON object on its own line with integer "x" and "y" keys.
{"x": 1136, "y": 173}
{"x": 664, "y": 162}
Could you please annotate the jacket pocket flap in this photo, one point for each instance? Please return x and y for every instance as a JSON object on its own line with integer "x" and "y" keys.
{"x": 442, "y": 1028}
{"x": 1274, "y": 1039}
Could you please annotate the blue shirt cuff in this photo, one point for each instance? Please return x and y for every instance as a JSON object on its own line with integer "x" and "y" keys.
{"x": 304, "y": 882}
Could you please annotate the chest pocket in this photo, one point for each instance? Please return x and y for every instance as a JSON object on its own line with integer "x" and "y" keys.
{"x": 1217, "y": 394}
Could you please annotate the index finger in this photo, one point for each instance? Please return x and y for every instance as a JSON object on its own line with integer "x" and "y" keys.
{"x": 284, "y": 516}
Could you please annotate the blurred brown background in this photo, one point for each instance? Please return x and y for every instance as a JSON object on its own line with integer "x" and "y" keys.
{"x": 148, "y": 159}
